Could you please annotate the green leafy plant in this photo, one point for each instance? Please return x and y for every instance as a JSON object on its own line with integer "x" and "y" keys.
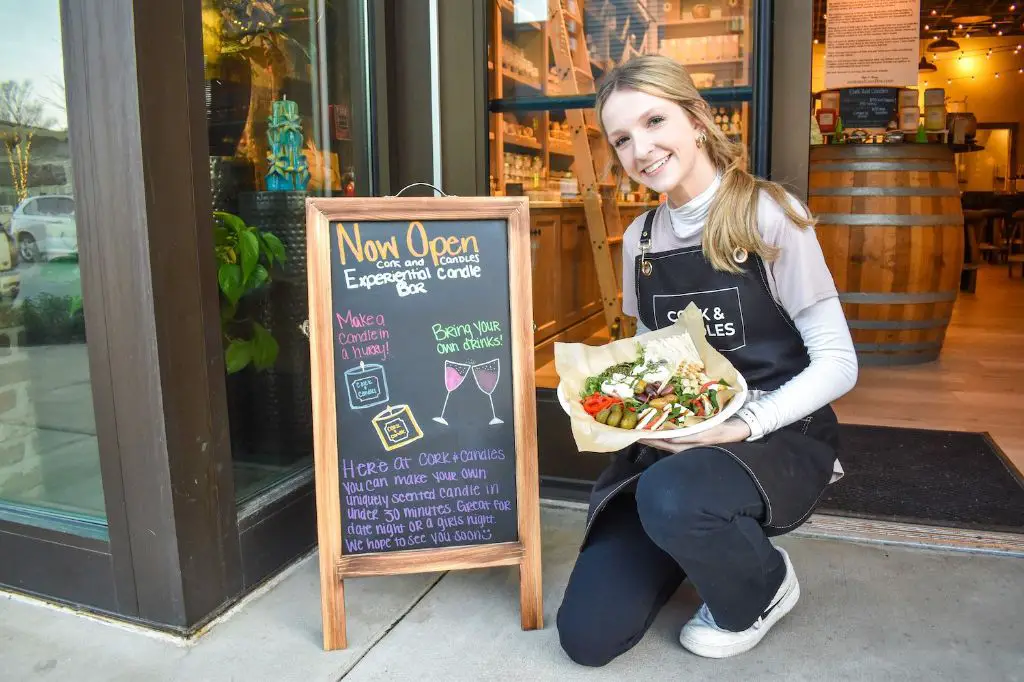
{"x": 246, "y": 257}
{"x": 48, "y": 319}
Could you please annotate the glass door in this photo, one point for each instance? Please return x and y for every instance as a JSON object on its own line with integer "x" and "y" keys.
{"x": 287, "y": 110}
{"x": 533, "y": 151}
{"x": 49, "y": 456}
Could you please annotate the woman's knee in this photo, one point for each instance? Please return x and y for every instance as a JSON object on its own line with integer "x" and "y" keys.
{"x": 684, "y": 492}
{"x": 584, "y": 639}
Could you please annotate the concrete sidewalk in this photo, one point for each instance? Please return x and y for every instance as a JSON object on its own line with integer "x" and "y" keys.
{"x": 867, "y": 612}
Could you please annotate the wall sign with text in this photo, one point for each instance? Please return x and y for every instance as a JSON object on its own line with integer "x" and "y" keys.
{"x": 421, "y": 342}
{"x": 872, "y": 42}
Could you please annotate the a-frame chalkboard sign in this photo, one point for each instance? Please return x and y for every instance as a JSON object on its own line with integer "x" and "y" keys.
{"x": 424, "y": 410}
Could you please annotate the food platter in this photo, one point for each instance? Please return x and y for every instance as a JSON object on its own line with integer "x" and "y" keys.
{"x": 730, "y": 409}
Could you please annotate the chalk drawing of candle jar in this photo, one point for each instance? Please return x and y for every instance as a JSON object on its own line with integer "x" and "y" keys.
{"x": 367, "y": 386}
{"x": 396, "y": 426}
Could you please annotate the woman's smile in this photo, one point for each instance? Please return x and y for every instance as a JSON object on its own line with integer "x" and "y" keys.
{"x": 656, "y": 167}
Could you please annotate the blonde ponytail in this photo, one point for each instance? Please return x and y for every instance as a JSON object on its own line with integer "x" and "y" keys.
{"x": 732, "y": 218}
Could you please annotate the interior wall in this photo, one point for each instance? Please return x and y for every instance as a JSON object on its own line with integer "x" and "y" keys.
{"x": 990, "y": 99}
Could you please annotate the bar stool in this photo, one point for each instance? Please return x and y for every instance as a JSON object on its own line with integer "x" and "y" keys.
{"x": 974, "y": 223}
{"x": 1013, "y": 240}
{"x": 992, "y": 239}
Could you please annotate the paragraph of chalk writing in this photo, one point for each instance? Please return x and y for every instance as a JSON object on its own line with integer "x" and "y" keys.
{"x": 434, "y": 499}
{"x": 423, "y": 259}
{"x": 362, "y": 336}
{"x": 453, "y": 338}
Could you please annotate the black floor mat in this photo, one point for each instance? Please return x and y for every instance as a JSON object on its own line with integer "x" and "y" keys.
{"x": 938, "y": 478}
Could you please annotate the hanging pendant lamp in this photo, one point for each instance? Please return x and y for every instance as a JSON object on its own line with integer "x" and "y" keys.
{"x": 943, "y": 44}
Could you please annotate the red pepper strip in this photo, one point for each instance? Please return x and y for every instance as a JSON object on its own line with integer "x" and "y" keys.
{"x": 705, "y": 386}
{"x": 597, "y": 402}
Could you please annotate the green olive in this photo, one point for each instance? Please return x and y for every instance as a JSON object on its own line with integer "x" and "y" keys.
{"x": 640, "y": 386}
{"x": 628, "y": 420}
{"x": 616, "y": 416}
{"x": 602, "y": 416}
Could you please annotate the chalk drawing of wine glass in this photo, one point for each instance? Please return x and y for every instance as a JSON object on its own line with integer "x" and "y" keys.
{"x": 454, "y": 374}
{"x": 486, "y": 376}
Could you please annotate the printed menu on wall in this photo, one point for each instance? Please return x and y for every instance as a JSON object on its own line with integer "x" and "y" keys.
{"x": 424, "y": 406}
{"x": 872, "y": 42}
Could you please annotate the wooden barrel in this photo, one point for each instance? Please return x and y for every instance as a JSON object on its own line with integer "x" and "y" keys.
{"x": 891, "y": 227}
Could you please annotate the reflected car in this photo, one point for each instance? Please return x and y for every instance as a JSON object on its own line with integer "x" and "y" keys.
{"x": 10, "y": 278}
{"x": 43, "y": 228}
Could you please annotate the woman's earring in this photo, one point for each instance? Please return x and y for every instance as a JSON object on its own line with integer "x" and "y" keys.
{"x": 739, "y": 254}
{"x": 701, "y": 139}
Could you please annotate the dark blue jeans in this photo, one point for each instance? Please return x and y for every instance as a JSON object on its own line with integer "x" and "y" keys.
{"x": 695, "y": 515}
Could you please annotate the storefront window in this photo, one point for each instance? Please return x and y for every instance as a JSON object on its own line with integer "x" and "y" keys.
{"x": 49, "y": 458}
{"x": 282, "y": 87}
{"x": 537, "y": 54}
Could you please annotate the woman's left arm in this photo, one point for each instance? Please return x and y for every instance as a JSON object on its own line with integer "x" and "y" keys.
{"x": 831, "y": 373}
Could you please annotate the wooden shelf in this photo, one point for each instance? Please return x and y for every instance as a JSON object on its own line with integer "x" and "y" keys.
{"x": 522, "y": 80}
{"x": 563, "y": 149}
{"x": 520, "y": 141}
{"x": 716, "y": 62}
{"x": 700, "y": 22}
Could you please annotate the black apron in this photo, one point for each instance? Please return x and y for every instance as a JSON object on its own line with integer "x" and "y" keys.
{"x": 791, "y": 466}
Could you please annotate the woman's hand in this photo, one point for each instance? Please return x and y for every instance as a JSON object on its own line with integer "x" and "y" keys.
{"x": 732, "y": 430}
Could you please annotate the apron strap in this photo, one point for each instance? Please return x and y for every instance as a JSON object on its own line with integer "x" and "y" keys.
{"x": 645, "y": 243}
{"x": 645, "y": 234}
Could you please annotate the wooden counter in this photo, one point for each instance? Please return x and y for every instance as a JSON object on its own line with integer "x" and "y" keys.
{"x": 566, "y": 295}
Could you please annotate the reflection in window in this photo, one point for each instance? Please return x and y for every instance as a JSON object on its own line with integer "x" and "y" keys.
{"x": 49, "y": 458}
{"x": 279, "y": 91}
{"x": 550, "y": 154}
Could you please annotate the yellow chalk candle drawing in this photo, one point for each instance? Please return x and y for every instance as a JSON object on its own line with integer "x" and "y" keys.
{"x": 396, "y": 427}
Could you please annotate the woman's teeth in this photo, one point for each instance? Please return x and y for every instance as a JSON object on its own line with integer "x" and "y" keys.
{"x": 655, "y": 167}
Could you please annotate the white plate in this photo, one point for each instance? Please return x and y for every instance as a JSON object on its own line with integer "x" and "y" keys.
{"x": 734, "y": 405}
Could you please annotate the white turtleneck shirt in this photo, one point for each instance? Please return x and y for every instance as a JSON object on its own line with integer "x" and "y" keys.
{"x": 800, "y": 282}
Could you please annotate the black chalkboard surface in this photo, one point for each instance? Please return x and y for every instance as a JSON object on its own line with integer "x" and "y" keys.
{"x": 424, "y": 403}
{"x": 868, "y": 107}
{"x": 426, "y": 434}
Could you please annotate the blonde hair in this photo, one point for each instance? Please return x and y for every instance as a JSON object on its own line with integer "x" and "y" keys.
{"x": 732, "y": 218}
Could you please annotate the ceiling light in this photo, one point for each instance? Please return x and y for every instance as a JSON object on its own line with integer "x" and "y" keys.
{"x": 934, "y": 12}
{"x": 925, "y": 66}
{"x": 972, "y": 19}
{"x": 943, "y": 45}
{"x": 1000, "y": 33}
{"x": 927, "y": 27}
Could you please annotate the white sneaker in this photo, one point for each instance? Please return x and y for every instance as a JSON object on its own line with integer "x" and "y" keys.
{"x": 702, "y": 636}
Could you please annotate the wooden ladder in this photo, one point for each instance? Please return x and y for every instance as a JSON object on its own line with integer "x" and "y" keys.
{"x": 599, "y": 203}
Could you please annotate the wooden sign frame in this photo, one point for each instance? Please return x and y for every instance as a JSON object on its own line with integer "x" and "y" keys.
{"x": 526, "y": 553}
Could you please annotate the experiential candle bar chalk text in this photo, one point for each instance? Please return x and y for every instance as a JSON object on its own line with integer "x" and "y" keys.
{"x": 421, "y": 346}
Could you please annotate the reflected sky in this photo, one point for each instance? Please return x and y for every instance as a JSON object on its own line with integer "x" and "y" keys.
{"x": 31, "y": 49}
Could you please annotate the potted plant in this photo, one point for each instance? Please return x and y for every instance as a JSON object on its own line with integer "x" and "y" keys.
{"x": 246, "y": 257}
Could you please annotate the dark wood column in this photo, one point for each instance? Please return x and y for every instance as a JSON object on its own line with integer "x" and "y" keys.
{"x": 137, "y": 123}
